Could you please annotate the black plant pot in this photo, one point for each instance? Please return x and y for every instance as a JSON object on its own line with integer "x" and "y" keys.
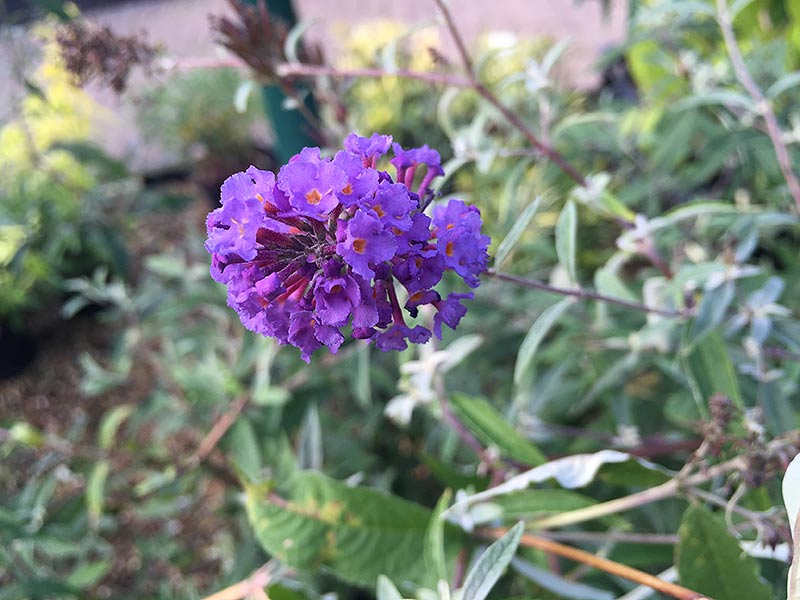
{"x": 17, "y": 351}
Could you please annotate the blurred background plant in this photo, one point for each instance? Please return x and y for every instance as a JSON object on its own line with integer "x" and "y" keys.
{"x": 63, "y": 199}
{"x": 677, "y": 207}
{"x": 196, "y": 117}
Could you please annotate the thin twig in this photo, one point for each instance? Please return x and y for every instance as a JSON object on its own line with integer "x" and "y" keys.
{"x": 751, "y": 515}
{"x": 457, "y": 38}
{"x": 218, "y": 430}
{"x": 604, "y": 564}
{"x": 296, "y": 70}
{"x": 586, "y": 294}
{"x": 597, "y": 537}
{"x": 660, "y": 492}
{"x": 763, "y": 105}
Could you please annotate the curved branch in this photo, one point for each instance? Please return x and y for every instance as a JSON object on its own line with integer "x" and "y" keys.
{"x": 587, "y": 295}
{"x": 763, "y": 105}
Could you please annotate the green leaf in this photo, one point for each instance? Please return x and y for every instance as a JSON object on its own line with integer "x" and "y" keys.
{"x": 517, "y": 229}
{"x": 526, "y": 504}
{"x": 726, "y": 98}
{"x": 242, "y": 95}
{"x": 90, "y": 573}
{"x": 95, "y": 491}
{"x": 111, "y": 423}
{"x": 309, "y": 452}
{"x": 293, "y": 43}
{"x": 491, "y": 564}
{"x": 434, "y": 539}
{"x": 711, "y": 562}
{"x": 711, "y": 371}
{"x": 785, "y": 83}
{"x": 566, "y": 233}
{"x": 536, "y": 334}
{"x": 490, "y": 427}
{"x": 712, "y": 310}
{"x": 450, "y": 476}
{"x": 356, "y": 532}
{"x": 243, "y": 444}
{"x": 609, "y": 283}
{"x": 386, "y": 590}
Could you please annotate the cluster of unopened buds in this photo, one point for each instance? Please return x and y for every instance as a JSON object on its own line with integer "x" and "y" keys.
{"x": 337, "y": 242}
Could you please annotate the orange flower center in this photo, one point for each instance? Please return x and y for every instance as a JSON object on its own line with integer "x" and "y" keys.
{"x": 359, "y": 245}
{"x": 313, "y": 197}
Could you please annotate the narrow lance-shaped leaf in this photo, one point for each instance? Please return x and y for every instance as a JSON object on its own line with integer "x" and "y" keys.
{"x": 244, "y": 447}
{"x": 434, "y": 539}
{"x": 491, "y": 564}
{"x": 111, "y": 423}
{"x": 712, "y": 310}
{"x": 566, "y": 239}
{"x": 515, "y": 233}
{"x": 386, "y": 590}
{"x": 96, "y": 490}
{"x": 310, "y": 453}
{"x": 711, "y": 371}
{"x": 534, "y": 337}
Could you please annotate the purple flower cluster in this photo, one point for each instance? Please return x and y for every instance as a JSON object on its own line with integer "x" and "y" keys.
{"x": 322, "y": 246}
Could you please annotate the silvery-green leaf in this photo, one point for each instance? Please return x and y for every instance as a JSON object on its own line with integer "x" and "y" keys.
{"x": 540, "y": 328}
{"x": 566, "y": 234}
{"x": 517, "y": 229}
{"x": 386, "y": 590}
{"x": 459, "y": 349}
{"x": 713, "y": 308}
{"x": 767, "y": 294}
{"x": 434, "y": 552}
{"x": 242, "y": 95}
{"x": 746, "y": 245}
{"x": 553, "y": 55}
{"x": 310, "y": 450}
{"x": 785, "y": 83}
{"x": 608, "y": 282}
{"x": 490, "y": 566}
{"x": 760, "y": 327}
{"x": 291, "y": 46}
{"x": 562, "y": 587}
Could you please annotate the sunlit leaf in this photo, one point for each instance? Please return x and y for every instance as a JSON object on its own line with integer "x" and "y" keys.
{"x": 490, "y": 566}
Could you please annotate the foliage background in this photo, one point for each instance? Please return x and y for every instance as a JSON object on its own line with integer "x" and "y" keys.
{"x": 684, "y": 208}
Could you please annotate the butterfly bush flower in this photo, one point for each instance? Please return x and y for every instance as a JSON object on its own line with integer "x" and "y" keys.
{"x": 335, "y": 243}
